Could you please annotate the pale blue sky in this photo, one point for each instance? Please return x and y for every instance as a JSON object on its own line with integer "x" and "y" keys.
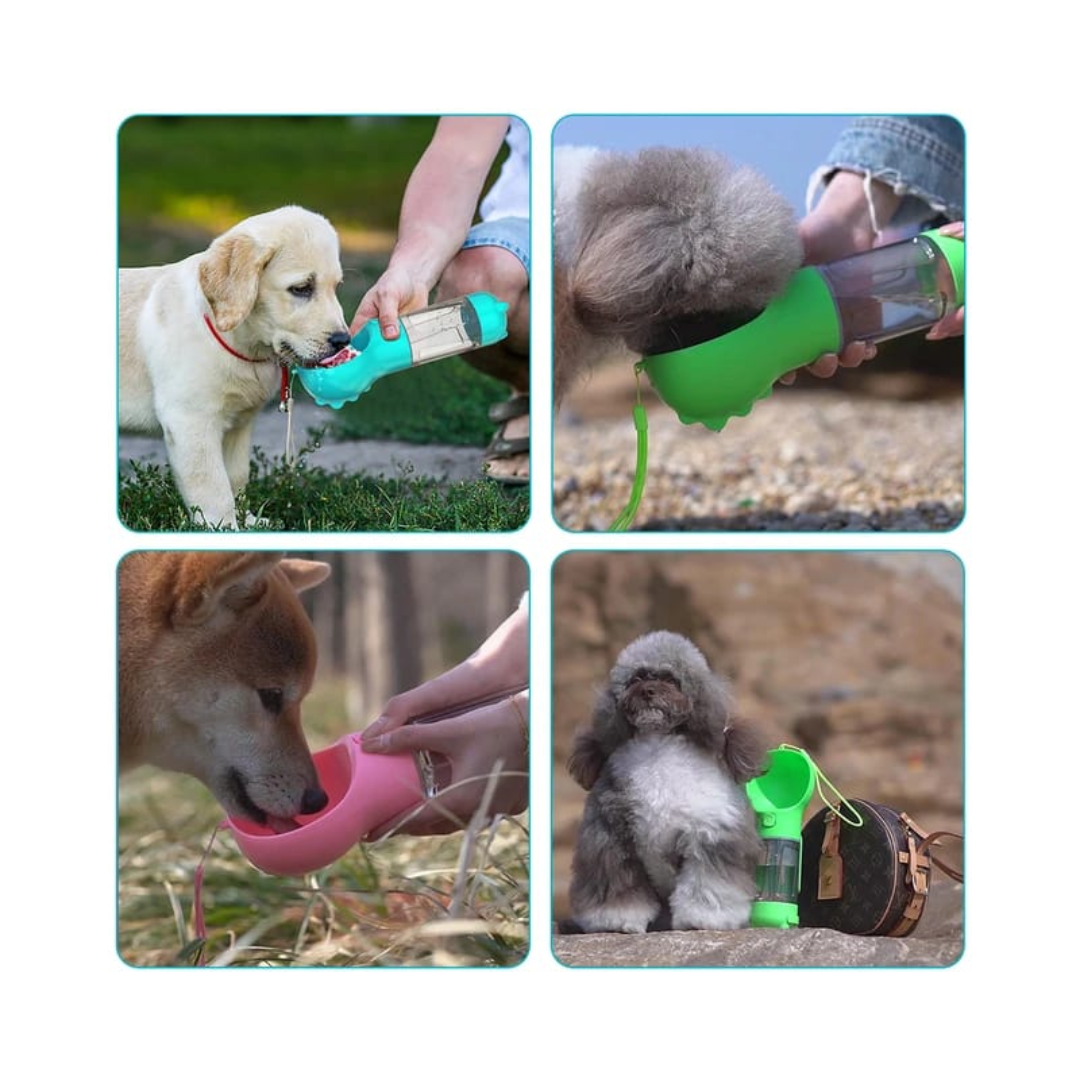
{"x": 786, "y": 149}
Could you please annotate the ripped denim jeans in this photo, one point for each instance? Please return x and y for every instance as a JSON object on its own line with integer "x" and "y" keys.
{"x": 920, "y": 157}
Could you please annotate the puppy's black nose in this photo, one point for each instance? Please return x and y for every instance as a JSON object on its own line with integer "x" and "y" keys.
{"x": 314, "y": 800}
{"x": 339, "y": 339}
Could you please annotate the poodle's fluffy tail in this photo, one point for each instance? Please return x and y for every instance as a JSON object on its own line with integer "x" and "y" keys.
{"x": 666, "y": 233}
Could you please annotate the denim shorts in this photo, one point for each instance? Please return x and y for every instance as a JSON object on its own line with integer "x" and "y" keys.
{"x": 511, "y": 233}
{"x": 920, "y": 157}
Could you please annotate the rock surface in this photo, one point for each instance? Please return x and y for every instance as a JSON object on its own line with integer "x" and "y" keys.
{"x": 936, "y": 942}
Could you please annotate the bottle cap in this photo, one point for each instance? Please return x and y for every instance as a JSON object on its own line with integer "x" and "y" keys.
{"x": 953, "y": 250}
{"x": 490, "y": 314}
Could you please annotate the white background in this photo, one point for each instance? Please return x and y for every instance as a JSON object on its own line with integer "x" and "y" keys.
{"x": 70, "y": 80}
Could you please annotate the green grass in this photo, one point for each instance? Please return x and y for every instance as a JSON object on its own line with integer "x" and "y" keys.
{"x": 454, "y": 901}
{"x": 303, "y": 498}
{"x": 199, "y": 169}
{"x": 445, "y": 403}
{"x": 184, "y": 180}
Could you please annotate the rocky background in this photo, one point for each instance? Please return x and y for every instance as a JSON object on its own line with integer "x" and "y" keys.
{"x": 855, "y": 657}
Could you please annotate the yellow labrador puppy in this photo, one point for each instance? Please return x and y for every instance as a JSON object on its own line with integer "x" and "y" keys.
{"x": 204, "y": 342}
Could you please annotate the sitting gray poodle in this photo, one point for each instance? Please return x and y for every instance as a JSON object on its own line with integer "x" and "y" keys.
{"x": 660, "y": 249}
{"x": 668, "y": 837}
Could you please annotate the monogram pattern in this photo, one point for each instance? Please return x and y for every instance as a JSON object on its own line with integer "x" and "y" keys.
{"x": 876, "y": 889}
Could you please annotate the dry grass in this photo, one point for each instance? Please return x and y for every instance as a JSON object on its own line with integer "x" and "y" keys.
{"x": 455, "y": 901}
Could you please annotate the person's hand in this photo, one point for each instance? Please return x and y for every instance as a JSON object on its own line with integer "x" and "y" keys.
{"x": 473, "y": 747}
{"x": 844, "y": 222}
{"x": 858, "y": 352}
{"x": 827, "y": 365}
{"x": 397, "y": 292}
{"x": 500, "y": 666}
{"x": 436, "y": 211}
{"x": 953, "y": 323}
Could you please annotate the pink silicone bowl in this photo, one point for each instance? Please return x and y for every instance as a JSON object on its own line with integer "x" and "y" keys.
{"x": 364, "y": 790}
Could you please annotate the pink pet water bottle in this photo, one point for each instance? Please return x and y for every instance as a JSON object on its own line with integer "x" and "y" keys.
{"x": 364, "y": 790}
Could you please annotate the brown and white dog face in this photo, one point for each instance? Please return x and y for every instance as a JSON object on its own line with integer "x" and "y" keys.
{"x": 273, "y": 279}
{"x": 216, "y": 656}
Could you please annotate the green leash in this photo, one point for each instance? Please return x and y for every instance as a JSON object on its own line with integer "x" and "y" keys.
{"x": 641, "y": 423}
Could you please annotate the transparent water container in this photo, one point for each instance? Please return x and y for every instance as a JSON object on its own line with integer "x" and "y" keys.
{"x": 778, "y": 872}
{"x": 891, "y": 290}
{"x": 443, "y": 330}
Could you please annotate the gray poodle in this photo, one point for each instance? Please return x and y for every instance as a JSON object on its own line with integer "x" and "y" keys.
{"x": 660, "y": 249}
{"x": 668, "y": 837}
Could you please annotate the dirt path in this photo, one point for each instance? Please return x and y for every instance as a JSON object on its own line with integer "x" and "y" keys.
{"x": 374, "y": 457}
{"x": 811, "y": 460}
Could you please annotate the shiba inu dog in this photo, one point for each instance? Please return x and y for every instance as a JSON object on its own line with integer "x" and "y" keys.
{"x": 216, "y": 656}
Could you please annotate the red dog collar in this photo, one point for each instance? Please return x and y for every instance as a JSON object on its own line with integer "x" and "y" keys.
{"x": 284, "y": 392}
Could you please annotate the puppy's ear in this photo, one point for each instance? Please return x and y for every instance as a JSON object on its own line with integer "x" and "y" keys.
{"x": 608, "y": 731}
{"x": 229, "y": 277}
{"x": 711, "y": 710}
{"x": 586, "y": 759}
{"x": 744, "y": 751}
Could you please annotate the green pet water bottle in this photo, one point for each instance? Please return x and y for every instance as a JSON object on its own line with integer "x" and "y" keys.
{"x": 779, "y": 798}
{"x": 880, "y": 294}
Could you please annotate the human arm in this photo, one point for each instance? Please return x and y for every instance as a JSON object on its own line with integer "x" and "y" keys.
{"x": 857, "y": 352}
{"x": 499, "y": 665}
{"x": 844, "y": 222}
{"x": 437, "y": 210}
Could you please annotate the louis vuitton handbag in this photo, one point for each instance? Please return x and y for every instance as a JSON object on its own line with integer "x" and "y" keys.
{"x": 866, "y": 870}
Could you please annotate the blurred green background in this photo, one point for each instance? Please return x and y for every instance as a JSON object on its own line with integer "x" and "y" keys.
{"x": 182, "y": 180}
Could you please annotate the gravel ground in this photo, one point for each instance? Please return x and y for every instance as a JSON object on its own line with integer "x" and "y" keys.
{"x": 810, "y": 461}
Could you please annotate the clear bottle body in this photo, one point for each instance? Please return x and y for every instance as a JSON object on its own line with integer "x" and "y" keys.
{"x": 442, "y": 330}
{"x": 890, "y": 291}
{"x": 778, "y": 871}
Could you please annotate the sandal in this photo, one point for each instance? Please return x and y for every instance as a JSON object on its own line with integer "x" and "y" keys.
{"x": 505, "y": 455}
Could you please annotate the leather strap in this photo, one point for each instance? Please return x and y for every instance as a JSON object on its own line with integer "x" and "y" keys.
{"x": 929, "y": 839}
{"x": 918, "y": 860}
{"x": 940, "y": 863}
{"x": 830, "y": 885}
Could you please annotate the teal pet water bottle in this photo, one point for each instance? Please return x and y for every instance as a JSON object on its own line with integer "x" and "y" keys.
{"x": 779, "y": 798}
{"x": 446, "y": 329}
{"x": 880, "y": 294}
